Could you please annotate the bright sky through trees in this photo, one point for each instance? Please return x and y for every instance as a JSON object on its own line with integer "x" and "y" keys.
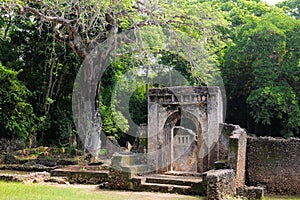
{"x": 273, "y": 1}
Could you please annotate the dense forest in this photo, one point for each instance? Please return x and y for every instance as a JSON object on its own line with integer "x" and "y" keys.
{"x": 254, "y": 46}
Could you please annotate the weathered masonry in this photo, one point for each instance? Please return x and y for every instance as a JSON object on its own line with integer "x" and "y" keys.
{"x": 183, "y": 128}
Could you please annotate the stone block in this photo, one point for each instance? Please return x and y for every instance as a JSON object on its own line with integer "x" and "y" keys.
{"x": 121, "y": 160}
{"x": 220, "y": 183}
{"x": 250, "y": 192}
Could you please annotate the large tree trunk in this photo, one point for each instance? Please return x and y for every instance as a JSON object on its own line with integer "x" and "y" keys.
{"x": 88, "y": 120}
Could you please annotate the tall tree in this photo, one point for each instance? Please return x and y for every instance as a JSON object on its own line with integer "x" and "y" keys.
{"x": 17, "y": 118}
{"x": 83, "y": 25}
{"x": 255, "y": 70}
{"x": 47, "y": 68}
{"x": 291, "y": 7}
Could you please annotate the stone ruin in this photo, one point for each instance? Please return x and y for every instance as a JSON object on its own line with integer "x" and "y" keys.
{"x": 183, "y": 128}
{"x": 189, "y": 149}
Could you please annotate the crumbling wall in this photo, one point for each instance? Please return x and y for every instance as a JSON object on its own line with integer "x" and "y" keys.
{"x": 274, "y": 164}
{"x": 112, "y": 146}
{"x": 220, "y": 183}
{"x": 250, "y": 192}
{"x": 232, "y": 149}
{"x": 237, "y": 154}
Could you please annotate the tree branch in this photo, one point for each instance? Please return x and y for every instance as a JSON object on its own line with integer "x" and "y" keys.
{"x": 7, "y": 28}
{"x": 55, "y": 19}
{"x": 74, "y": 40}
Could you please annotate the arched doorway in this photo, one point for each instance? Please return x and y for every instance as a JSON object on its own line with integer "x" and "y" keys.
{"x": 183, "y": 141}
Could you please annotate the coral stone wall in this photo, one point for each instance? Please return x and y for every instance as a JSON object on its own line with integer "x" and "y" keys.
{"x": 7, "y": 145}
{"x": 220, "y": 183}
{"x": 274, "y": 164}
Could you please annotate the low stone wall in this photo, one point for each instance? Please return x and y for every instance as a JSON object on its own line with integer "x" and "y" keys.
{"x": 119, "y": 180}
{"x": 220, "y": 183}
{"x": 7, "y": 145}
{"x": 274, "y": 164}
{"x": 250, "y": 192}
{"x": 41, "y": 160}
{"x": 83, "y": 176}
{"x": 36, "y": 177}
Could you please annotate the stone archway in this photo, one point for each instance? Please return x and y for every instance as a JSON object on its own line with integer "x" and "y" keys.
{"x": 166, "y": 106}
{"x": 182, "y": 152}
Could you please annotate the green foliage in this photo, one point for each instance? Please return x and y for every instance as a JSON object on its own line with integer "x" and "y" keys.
{"x": 124, "y": 86}
{"x": 276, "y": 102}
{"x": 256, "y": 46}
{"x": 108, "y": 113}
{"x": 48, "y": 69}
{"x": 291, "y": 7}
{"x": 138, "y": 106}
{"x": 16, "y": 114}
{"x": 260, "y": 77}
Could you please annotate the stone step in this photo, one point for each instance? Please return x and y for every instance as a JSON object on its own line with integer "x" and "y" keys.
{"x": 177, "y": 173}
{"x": 156, "y": 187}
{"x": 172, "y": 184}
{"x": 29, "y": 168}
{"x": 173, "y": 180}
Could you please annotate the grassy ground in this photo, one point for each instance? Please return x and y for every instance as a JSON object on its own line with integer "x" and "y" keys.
{"x": 19, "y": 191}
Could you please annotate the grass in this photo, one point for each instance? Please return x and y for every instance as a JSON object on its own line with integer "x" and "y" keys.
{"x": 19, "y": 191}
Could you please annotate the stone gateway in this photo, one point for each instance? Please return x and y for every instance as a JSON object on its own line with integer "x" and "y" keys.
{"x": 183, "y": 128}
